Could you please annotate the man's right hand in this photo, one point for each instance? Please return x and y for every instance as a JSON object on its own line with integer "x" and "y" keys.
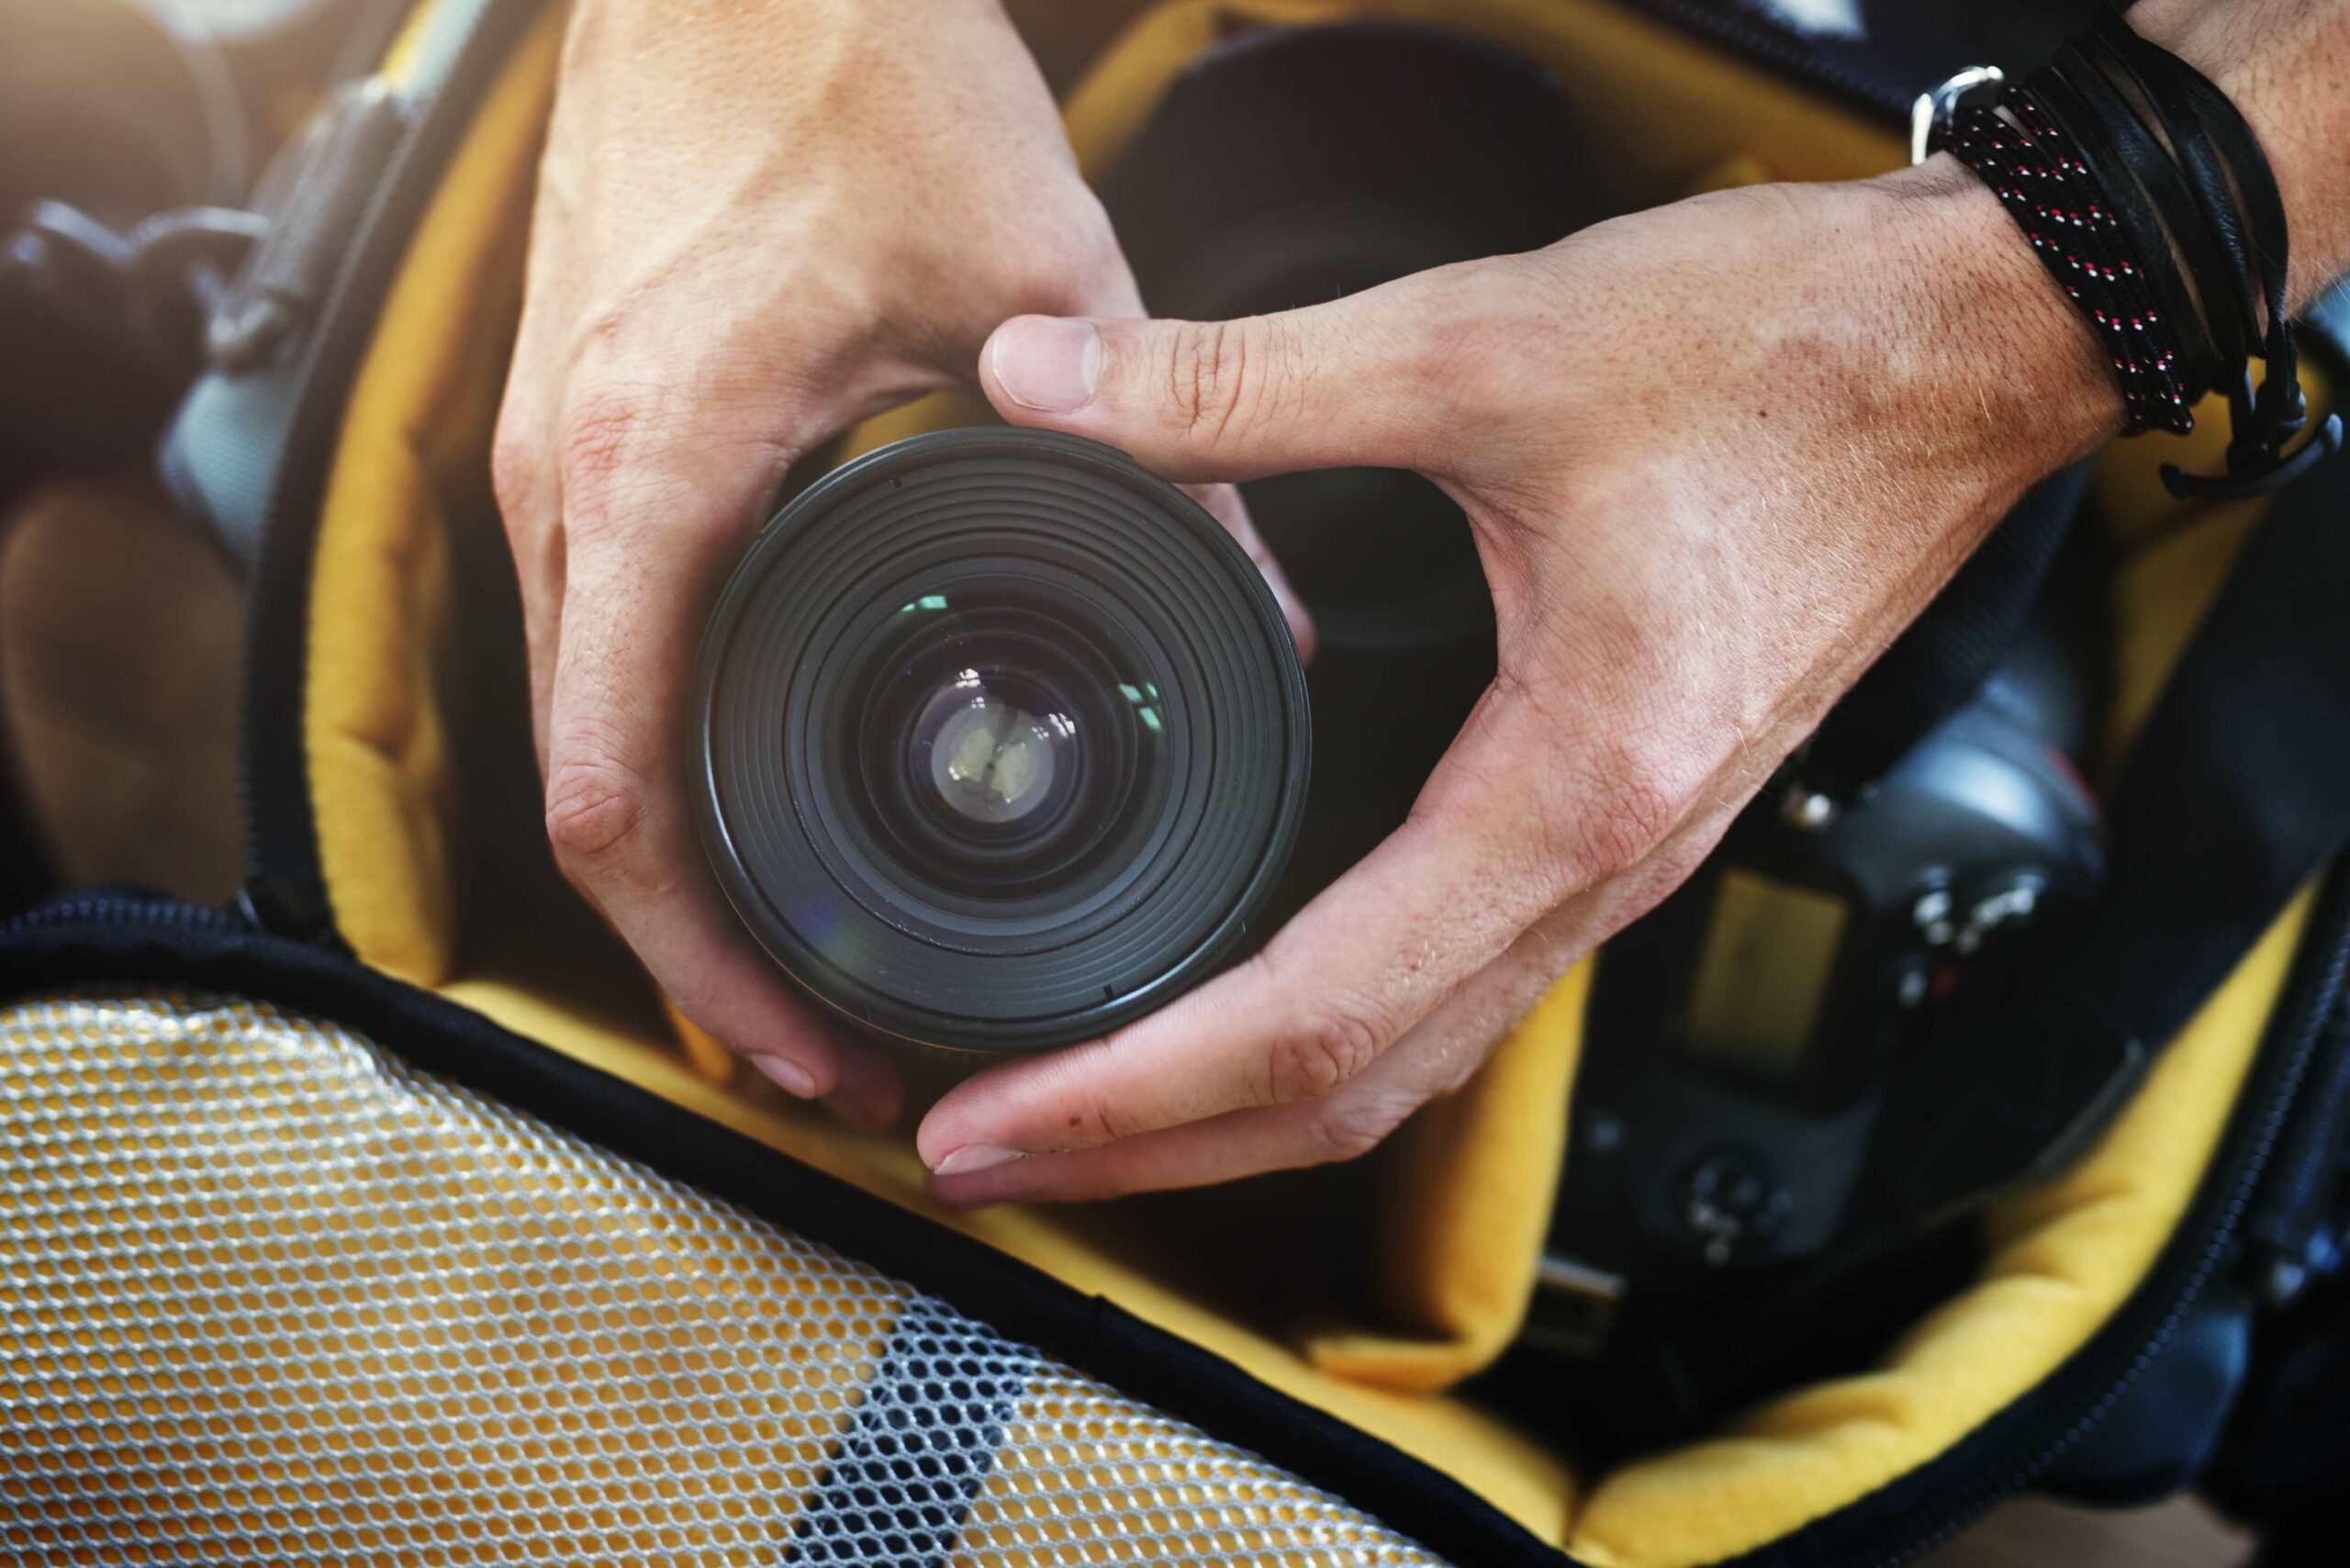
{"x": 759, "y": 222}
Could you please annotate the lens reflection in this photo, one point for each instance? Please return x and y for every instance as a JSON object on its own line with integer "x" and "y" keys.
{"x": 991, "y": 759}
{"x": 1005, "y": 744}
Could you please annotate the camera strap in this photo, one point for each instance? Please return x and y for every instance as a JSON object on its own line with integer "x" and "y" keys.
{"x": 1936, "y": 667}
{"x": 2236, "y": 792}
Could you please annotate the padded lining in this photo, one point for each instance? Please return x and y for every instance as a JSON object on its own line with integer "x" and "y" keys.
{"x": 430, "y": 844}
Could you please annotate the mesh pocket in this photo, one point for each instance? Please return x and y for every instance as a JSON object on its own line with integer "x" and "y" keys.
{"x": 267, "y": 1295}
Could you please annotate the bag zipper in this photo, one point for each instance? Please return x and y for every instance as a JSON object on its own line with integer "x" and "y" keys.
{"x": 284, "y": 889}
{"x": 118, "y": 909}
{"x": 1898, "y": 1522}
{"x": 2297, "y": 1234}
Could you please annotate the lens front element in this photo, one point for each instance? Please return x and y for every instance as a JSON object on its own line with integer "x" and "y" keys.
{"x": 1000, "y": 746}
{"x": 991, "y": 761}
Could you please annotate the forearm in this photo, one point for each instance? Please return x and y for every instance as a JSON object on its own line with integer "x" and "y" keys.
{"x": 2285, "y": 64}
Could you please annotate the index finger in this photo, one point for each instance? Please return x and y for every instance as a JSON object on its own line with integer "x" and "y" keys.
{"x": 1492, "y": 846}
{"x": 645, "y": 554}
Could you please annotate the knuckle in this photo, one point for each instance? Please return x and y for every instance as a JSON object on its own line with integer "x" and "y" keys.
{"x": 1633, "y": 816}
{"x": 1350, "y": 1128}
{"x": 603, "y": 425}
{"x": 1651, "y": 785}
{"x": 513, "y": 470}
{"x": 1064, "y": 267}
{"x": 1320, "y": 1055}
{"x": 595, "y": 809}
{"x": 1614, "y": 810}
{"x": 1099, "y": 1119}
{"x": 1479, "y": 361}
{"x": 1216, "y": 379}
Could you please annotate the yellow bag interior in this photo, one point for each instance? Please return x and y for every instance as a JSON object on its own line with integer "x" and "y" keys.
{"x": 1368, "y": 1293}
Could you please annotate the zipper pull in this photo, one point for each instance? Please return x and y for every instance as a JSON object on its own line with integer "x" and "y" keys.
{"x": 267, "y": 907}
{"x": 2297, "y": 1233}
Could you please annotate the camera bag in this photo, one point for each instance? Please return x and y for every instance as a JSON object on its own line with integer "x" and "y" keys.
{"x": 389, "y": 1215}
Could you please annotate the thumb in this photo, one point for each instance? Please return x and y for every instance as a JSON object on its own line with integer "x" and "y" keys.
{"x": 1331, "y": 385}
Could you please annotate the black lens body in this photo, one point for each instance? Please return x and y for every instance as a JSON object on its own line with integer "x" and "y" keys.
{"x": 1002, "y": 741}
{"x": 1290, "y": 166}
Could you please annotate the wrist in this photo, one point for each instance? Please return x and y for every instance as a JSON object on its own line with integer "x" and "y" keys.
{"x": 2018, "y": 370}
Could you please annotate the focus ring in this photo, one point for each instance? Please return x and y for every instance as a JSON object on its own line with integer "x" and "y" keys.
{"x": 949, "y": 529}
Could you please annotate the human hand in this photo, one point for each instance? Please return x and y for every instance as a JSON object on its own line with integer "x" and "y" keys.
{"x": 757, "y": 223}
{"x": 1715, "y": 457}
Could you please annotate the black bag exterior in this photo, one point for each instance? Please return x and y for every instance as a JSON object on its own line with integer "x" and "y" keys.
{"x": 2136, "y": 1412}
{"x": 2122, "y": 1389}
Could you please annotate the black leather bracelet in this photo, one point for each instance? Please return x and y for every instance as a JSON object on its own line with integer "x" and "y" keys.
{"x": 2147, "y": 194}
{"x": 2032, "y": 161}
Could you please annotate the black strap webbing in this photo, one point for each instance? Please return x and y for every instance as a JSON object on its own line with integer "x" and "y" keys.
{"x": 2239, "y": 787}
{"x": 1942, "y": 661}
{"x": 2236, "y": 793}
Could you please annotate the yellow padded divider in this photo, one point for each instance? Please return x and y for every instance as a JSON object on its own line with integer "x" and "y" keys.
{"x": 420, "y": 411}
{"x": 1468, "y": 1201}
{"x": 1463, "y": 1246}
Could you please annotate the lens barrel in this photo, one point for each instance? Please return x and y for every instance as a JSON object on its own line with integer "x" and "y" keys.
{"x": 1001, "y": 740}
{"x": 1288, "y": 166}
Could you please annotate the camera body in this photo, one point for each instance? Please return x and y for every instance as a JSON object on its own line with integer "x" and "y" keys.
{"x": 1744, "y": 1037}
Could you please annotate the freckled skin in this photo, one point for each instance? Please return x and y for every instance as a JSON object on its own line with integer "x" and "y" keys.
{"x": 760, "y": 220}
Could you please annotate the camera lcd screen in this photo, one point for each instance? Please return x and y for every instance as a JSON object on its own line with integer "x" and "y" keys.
{"x": 1762, "y": 975}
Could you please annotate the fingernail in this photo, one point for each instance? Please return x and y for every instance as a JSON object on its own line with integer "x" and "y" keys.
{"x": 974, "y": 1156}
{"x": 788, "y": 1075}
{"x": 1047, "y": 363}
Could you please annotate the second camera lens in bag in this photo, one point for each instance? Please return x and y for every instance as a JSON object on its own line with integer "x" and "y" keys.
{"x": 1002, "y": 741}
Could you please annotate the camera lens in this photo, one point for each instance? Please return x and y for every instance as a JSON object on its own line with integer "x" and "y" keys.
{"x": 1001, "y": 749}
{"x": 1004, "y": 740}
{"x": 991, "y": 760}
{"x": 1292, "y": 165}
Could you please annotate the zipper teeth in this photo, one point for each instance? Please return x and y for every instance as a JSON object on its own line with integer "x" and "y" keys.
{"x": 113, "y": 909}
{"x": 2010, "y": 1476}
{"x": 270, "y": 601}
{"x": 2280, "y": 1101}
{"x": 1759, "y": 38}
{"x": 2291, "y": 1215}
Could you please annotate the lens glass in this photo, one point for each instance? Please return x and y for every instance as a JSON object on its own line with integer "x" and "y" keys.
{"x": 1002, "y": 740}
{"x": 992, "y": 761}
{"x": 1003, "y": 745}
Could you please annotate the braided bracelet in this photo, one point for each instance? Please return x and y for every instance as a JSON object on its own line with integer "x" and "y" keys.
{"x": 2147, "y": 197}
